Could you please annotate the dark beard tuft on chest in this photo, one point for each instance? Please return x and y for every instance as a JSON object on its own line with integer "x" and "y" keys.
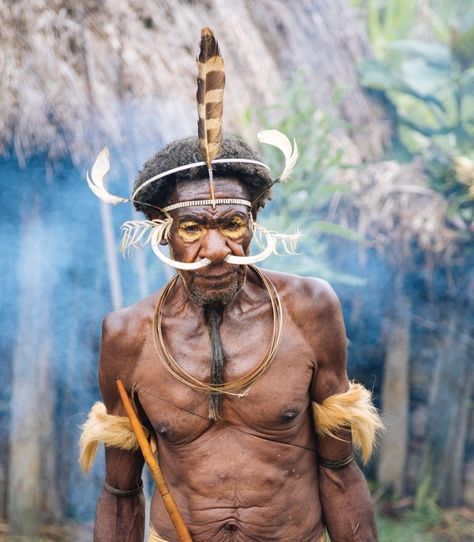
{"x": 214, "y": 319}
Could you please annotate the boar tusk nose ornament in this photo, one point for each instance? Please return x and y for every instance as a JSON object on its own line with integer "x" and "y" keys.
{"x": 204, "y": 262}
{"x": 249, "y": 260}
{"x": 155, "y": 245}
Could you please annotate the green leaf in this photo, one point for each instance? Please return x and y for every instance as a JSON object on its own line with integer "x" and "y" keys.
{"x": 423, "y": 78}
{"x": 466, "y": 82}
{"x": 376, "y": 75}
{"x": 433, "y": 54}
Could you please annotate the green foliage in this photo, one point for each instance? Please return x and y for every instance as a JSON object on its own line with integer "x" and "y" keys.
{"x": 300, "y": 202}
{"x": 418, "y": 524}
{"x": 389, "y": 20}
{"x": 426, "y": 511}
{"x": 443, "y": 16}
{"x": 430, "y": 93}
{"x": 429, "y": 86}
{"x": 395, "y": 531}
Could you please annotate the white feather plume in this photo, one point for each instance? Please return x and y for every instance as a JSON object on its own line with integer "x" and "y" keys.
{"x": 96, "y": 179}
{"x": 280, "y": 141}
{"x": 289, "y": 242}
{"x": 137, "y": 233}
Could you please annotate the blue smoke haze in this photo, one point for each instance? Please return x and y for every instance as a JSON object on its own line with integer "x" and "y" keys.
{"x": 52, "y": 209}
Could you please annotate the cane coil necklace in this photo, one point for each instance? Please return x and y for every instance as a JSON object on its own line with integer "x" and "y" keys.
{"x": 239, "y": 387}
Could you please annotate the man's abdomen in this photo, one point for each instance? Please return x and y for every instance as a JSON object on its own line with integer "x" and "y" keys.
{"x": 242, "y": 487}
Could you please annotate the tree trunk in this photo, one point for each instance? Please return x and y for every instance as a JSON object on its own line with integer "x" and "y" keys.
{"x": 32, "y": 487}
{"x": 111, "y": 252}
{"x": 449, "y": 409}
{"x": 468, "y": 492}
{"x": 395, "y": 396}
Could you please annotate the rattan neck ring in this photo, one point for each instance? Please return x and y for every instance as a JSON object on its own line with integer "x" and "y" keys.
{"x": 240, "y": 386}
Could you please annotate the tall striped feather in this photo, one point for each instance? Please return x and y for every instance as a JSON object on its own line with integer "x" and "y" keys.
{"x": 210, "y": 96}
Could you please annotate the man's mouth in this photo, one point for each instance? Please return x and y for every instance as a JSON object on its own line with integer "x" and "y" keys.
{"x": 215, "y": 272}
{"x": 215, "y": 277}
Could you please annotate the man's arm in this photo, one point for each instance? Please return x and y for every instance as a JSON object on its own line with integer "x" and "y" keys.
{"x": 119, "y": 517}
{"x": 347, "y": 505}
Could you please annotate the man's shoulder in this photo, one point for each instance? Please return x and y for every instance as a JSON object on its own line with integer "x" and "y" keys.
{"x": 127, "y": 324}
{"x": 124, "y": 335}
{"x": 307, "y": 293}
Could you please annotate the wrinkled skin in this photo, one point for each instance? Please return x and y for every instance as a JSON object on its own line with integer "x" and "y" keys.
{"x": 254, "y": 475}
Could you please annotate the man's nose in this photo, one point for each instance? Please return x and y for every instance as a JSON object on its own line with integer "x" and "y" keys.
{"x": 214, "y": 246}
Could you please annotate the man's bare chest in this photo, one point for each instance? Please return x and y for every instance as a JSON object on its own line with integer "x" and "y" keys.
{"x": 274, "y": 405}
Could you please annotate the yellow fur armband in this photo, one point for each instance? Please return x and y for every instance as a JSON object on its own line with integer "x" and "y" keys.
{"x": 350, "y": 410}
{"x": 114, "y": 431}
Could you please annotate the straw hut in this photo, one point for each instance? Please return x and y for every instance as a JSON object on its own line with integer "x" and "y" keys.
{"x": 76, "y": 76}
{"x": 416, "y": 261}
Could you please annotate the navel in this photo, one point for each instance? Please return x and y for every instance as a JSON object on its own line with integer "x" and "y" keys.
{"x": 231, "y": 526}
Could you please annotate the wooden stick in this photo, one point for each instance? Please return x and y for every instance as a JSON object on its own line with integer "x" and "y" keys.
{"x": 170, "y": 505}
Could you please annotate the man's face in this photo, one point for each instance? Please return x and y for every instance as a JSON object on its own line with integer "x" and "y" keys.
{"x": 203, "y": 232}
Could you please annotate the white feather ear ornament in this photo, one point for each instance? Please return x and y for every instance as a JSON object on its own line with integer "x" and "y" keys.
{"x": 289, "y": 242}
{"x": 96, "y": 179}
{"x": 280, "y": 141}
{"x": 137, "y": 233}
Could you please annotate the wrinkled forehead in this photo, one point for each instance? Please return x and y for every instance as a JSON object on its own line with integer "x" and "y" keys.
{"x": 189, "y": 190}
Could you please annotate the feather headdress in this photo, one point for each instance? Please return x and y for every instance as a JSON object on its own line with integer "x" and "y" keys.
{"x": 280, "y": 141}
{"x": 96, "y": 179}
{"x": 210, "y": 96}
{"x": 210, "y": 100}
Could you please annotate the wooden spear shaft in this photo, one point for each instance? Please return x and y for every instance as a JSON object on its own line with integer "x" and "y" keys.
{"x": 170, "y": 505}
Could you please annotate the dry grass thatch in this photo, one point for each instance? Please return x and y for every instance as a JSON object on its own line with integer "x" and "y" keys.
{"x": 392, "y": 207}
{"x": 78, "y": 74}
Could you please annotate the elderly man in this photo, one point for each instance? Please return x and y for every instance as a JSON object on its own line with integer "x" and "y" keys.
{"x": 238, "y": 374}
{"x": 249, "y": 464}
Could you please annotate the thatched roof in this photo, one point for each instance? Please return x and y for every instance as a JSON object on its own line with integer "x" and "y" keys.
{"x": 76, "y": 75}
{"x": 396, "y": 212}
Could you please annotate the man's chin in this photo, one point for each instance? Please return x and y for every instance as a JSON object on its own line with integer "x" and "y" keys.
{"x": 208, "y": 290}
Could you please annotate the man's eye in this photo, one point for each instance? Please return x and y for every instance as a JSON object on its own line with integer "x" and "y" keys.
{"x": 191, "y": 228}
{"x": 234, "y": 229}
{"x": 189, "y": 231}
{"x": 233, "y": 226}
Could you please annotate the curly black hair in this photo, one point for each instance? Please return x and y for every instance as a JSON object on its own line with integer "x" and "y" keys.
{"x": 256, "y": 179}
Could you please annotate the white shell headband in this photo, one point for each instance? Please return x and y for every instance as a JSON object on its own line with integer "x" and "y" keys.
{"x": 210, "y": 97}
{"x": 269, "y": 137}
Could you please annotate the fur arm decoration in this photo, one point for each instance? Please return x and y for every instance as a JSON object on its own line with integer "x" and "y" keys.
{"x": 350, "y": 410}
{"x": 114, "y": 431}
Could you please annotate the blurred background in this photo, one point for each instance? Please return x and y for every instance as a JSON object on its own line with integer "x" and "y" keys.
{"x": 379, "y": 95}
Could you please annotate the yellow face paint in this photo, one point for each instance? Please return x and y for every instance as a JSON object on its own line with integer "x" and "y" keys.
{"x": 190, "y": 231}
{"x": 234, "y": 228}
